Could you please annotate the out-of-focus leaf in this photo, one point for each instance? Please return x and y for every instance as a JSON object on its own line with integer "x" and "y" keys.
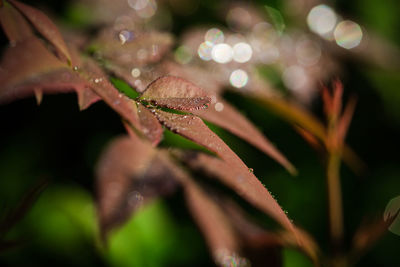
{"x": 28, "y": 65}
{"x": 122, "y": 104}
{"x": 231, "y": 170}
{"x": 45, "y": 26}
{"x": 128, "y": 174}
{"x": 226, "y": 116}
{"x": 175, "y": 93}
{"x": 249, "y": 188}
{"x": 368, "y": 234}
{"x": 143, "y": 49}
{"x": 276, "y": 18}
{"x": 302, "y": 118}
{"x": 14, "y": 24}
{"x": 218, "y": 231}
{"x": 150, "y": 125}
{"x": 23, "y": 207}
{"x": 146, "y": 75}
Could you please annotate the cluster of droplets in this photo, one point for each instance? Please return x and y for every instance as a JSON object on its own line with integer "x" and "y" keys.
{"x": 324, "y": 21}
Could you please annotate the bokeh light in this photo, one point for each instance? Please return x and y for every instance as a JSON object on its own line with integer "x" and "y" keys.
{"x": 214, "y": 36}
{"x": 294, "y": 77}
{"x": 204, "y": 51}
{"x": 308, "y": 52}
{"x": 242, "y": 52}
{"x": 144, "y": 8}
{"x": 219, "y": 106}
{"x": 321, "y": 19}
{"x": 348, "y": 34}
{"x": 222, "y": 53}
{"x": 238, "y": 78}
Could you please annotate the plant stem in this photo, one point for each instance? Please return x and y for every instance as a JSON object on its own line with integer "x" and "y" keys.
{"x": 334, "y": 200}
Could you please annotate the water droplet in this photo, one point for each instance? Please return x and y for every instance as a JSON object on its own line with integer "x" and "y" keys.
{"x": 75, "y": 68}
{"x": 251, "y": 170}
{"x": 135, "y": 72}
{"x": 125, "y": 36}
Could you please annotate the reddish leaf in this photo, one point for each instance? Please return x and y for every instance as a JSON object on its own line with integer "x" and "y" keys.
{"x": 128, "y": 175}
{"x": 28, "y": 66}
{"x": 216, "y": 228}
{"x": 144, "y": 49}
{"x": 99, "y": 83}
{"x": 231, "y": 170}
{"x": 176, "y": 93}
{"x": 304, "y": 119}
{"x": 150, "y": 125}
{"x": 14, "y": 24}
{"x": 224, "y": 115}
{"x": 45, "y": 26}
{"x": 139, "y": 83}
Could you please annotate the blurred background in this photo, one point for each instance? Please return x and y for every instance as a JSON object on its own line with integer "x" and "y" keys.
{"x": 311, "y": 43}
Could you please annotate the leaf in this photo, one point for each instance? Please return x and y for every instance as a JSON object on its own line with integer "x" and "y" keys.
{"x": 175, "y": 93}
{"x": 240, "y": 178}
{"x": 146, "y": 75}
{"x": 150, "y": 125}
{"x": 368, "y": 233}
{"x": 304, "y": 119}
{"x": 128, "y": 175}
{"x": 28, "y": 66}
{"x": 23, "y": 207}
{"x": 226, "y": 116}
{"x": 45, "y": 26}
{"x": 217, "y": 229}
{"x": 120, "y": 103}
{"x": 144, "y": 49}
{"x": 14, "y": 24}
{"x": 276, "y": 18}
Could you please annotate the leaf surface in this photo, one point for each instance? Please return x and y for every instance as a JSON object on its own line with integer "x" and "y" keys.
{"x": 230, "y": 169}
{"x": 150, "y": 125}
{"x": 226, "y": 116}
{"x": 128, "y": 175}
{"x": 175, "y": 93}
{"x": 45, "y": 26}
{"x": 14, "y": 24}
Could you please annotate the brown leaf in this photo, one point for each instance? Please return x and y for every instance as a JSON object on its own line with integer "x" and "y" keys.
{"x": 144, "y": 49}
{"x": 45, "y": 26}
{"x": 14, "y": 24}
{"x": 226, "y": 116}
{"x": 28, "y": 66}
{"x": 128, "y": 175}
{"x": 150, "y": 125}
{"x": 230, "y": 170}
{"x": 215, "y": 226}
{"x": 120, "y": 103}
{"x": 175, "y": 93}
